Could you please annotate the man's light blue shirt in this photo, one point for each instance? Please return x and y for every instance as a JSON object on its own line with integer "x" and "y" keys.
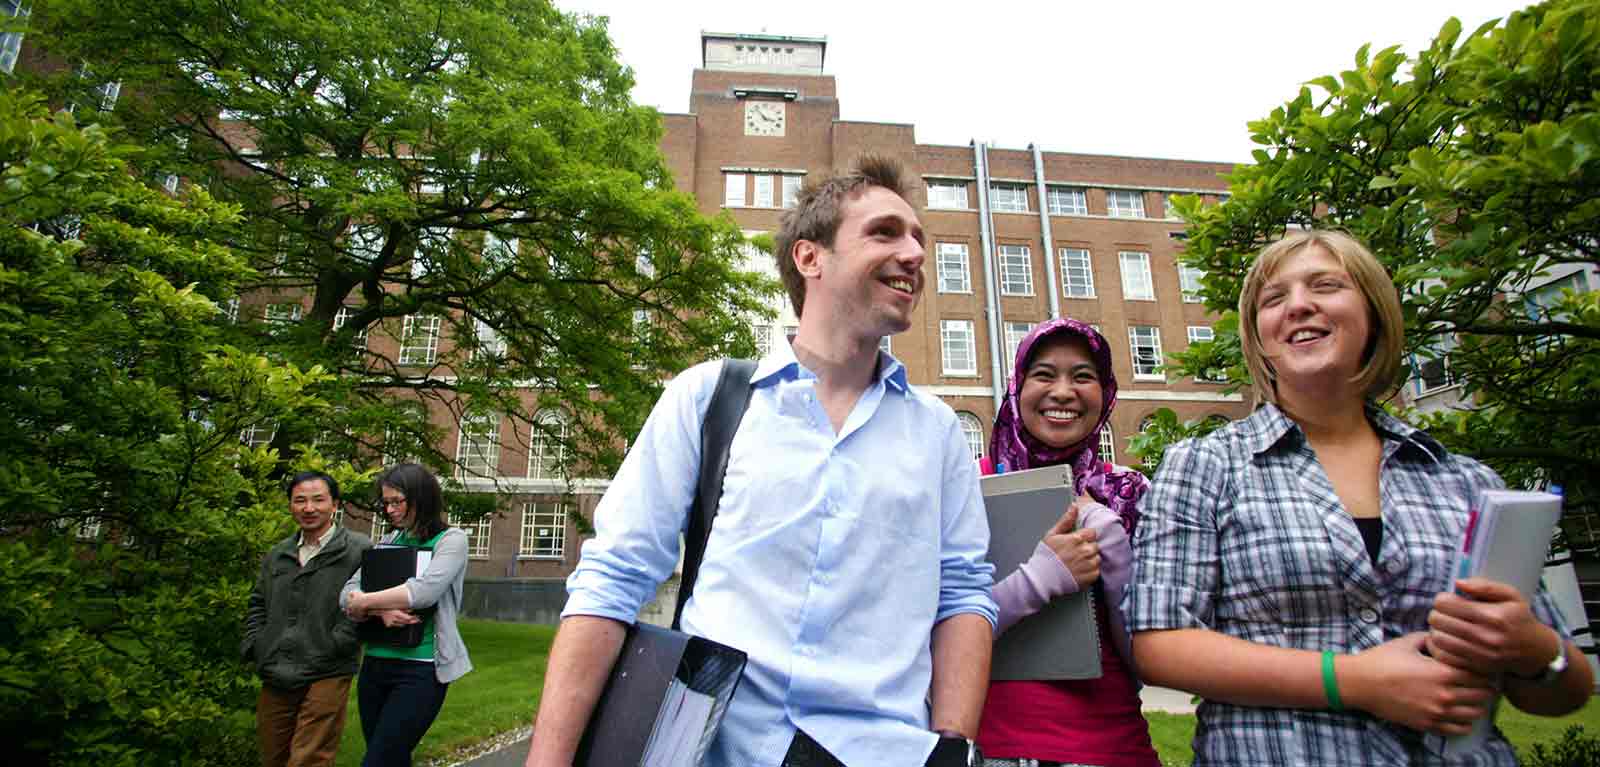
{"x": 830, "y": 560}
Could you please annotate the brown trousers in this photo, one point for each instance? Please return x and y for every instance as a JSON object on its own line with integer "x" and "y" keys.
{"x": 301, "y": 727}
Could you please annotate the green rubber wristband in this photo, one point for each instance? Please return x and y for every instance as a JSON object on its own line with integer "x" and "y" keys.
{"x": 1330, "y": 682}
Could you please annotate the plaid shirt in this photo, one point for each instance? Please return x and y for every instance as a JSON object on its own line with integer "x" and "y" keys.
{"x": 1243, "y": 534}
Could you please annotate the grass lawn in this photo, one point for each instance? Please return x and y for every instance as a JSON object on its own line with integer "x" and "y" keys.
{"x": 1172, "y": 732}
{"x": 500, "y": 694}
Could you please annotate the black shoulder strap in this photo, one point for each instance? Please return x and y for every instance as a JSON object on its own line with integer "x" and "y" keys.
{"x": 728, "y": 403}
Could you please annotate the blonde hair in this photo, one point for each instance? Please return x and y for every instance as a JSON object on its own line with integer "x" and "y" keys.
{"x": 1380, "y": 369}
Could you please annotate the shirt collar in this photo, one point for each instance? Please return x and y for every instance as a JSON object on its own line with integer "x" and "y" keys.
{"x": 781, "y": 364}
{"x": 327, "y": 536}
{"x": 1269, "y": 425}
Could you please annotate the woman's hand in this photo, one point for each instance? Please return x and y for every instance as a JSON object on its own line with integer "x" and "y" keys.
{"x": 355, "y": 606}
{"x": 397, "y": 618}
{"x": 1077, "y": 549}
{"x": 1396, "y": 682}
{"x": 1489, "y": 628}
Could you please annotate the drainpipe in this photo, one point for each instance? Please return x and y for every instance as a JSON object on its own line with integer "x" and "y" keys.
{"x": 1044, "y": 229}
{"x": 980, "y": 163}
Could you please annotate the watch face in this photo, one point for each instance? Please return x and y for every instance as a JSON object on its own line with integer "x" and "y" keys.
{"x": 763, "y": 118}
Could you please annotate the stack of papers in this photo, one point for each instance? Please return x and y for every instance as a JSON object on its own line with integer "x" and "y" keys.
{"x": 675, "y": 739}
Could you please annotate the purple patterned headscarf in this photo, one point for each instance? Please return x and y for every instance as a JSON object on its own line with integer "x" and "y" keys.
{"x": 1119, "y": 489}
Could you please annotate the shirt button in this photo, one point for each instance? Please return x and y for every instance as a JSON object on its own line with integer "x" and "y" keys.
{"x": 1368, "y": 615}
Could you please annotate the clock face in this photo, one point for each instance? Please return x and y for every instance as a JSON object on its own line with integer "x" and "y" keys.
{"x": 763, "y": 118}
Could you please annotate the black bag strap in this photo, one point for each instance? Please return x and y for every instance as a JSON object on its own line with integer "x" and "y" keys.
{"x": 728, "y": 403}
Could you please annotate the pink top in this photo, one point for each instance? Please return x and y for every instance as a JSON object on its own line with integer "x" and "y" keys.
{"x": 1089, "y": 721}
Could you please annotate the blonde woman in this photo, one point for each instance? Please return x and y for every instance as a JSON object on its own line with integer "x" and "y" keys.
{"x": 1293, "y": 568}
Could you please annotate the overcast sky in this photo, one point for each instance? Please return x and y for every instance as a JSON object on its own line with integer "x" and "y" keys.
{"x": 1158, "y": 78}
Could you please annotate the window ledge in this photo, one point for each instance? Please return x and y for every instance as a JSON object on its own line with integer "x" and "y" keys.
{"x": 1089, "y": 297}
{"x": 948, "y": 374}
{"x": 540, "y": 557}
{"x": 1438, "y": 390}
{"x": 1149, "y": 377}
{"x": 967, "y": 292}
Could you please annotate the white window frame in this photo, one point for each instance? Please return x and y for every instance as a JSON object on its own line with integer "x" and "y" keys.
{"x": 1108, "y": 444}
{"x": 1015, "y": 332}
{"x": 791, "y": 190}
{"x": 419, "y": 339}
{"x": 259, "y": 434}
{"x": 947, "y": 195}
{"x": 1202, "y": 334}
{"x": 341, "y": 318}
{"x": 953, "y": 334}
{"x": 478, "y": 446}
{"x": 733, "y": 189}
{"x": 972, "y": 430}
{"x": 1067, "y": 201}
{"x": 1189, "y": 282}
{"x": 1138, "y": 282}
{"x": 490, "y": 342}
{"x": 1149, "y": 371}
{"x": 1008, "y": 198}
{"x": 478, "y": 534}
{"x": 554, "y": 518}
{"x": 1016, "y": 270}
{"x": 11, "y": 42}
{"x": 763, "y": 336}
{"x": 1073, "y": 288}
{"x": 1124, "y": 203}
{"x": 949, "y": 257}
{"x": 764, "y": 191}
{"x": 282, "y": 314}
{"x": 547, "y": 458}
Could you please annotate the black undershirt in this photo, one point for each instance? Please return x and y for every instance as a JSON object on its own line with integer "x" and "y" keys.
{"x": 1372, "y": 534}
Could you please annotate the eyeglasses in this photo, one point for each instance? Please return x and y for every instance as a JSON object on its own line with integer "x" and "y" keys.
{"x": 388, "y": 502}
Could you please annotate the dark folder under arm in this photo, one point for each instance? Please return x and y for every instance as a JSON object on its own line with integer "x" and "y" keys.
{"x": 384, "y": 567}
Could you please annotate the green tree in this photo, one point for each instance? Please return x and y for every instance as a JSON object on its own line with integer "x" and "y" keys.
{"x": 133, "y": 516}
{"x": 1471, "y": 169}
{"x": 472, "y": 163}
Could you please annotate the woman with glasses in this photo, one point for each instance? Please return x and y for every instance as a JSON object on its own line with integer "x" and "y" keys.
{"x": 401, "y": 689}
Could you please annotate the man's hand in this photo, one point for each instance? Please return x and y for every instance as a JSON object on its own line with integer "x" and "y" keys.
{"x": 1489, "y": 628}
{"x": 397, "y": 618}
{"x": 1396, "y": 682}
{"x": 1077, "y": 549}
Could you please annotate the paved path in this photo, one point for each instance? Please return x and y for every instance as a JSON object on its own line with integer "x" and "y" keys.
{"x": 1155, "y": 699}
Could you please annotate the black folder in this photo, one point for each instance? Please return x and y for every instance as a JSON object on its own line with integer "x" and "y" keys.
{"x": 630, "y": 704}
{"x": 385, "y": 567}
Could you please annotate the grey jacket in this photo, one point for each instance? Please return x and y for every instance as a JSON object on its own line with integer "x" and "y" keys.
{"x": 440, "y": 585}
{"x": 294, "y": 631}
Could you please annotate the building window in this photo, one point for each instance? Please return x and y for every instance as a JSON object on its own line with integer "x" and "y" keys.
{"x": 490, "y": 344}
{"x": 972, "y": 429}
{"x": 763, "y": 191}
{"x": 258, "y": 435}
{"x": 499, "y": 250}
{"x": 1077, "y": 273}
{"x": 282, "y": 315}
{"x": 954, "y": 277}
{"x": 544, "y": 530}
{"x": 1169, "y": 211}
{"x": 478, "y": 449}
{"x": 1189, "y": 280}
{"x": 547, "y": 445}
{"x": 733, "y": 190}
{"x": 1108, "y": 445}
{"x": 1124, "y": 203}
{"x": 947, "y": 195}
{"x": 1145, "y": 341}
{"x": 1015, "y": 332}
{"x": 1137, "y": 283}
{"x": 419, "y": 339}
{"x": 477, "y": 537}
{"x": 791, "y": 191}
{"x": 1066, "y": 201}
{"x": 1543, "y": 304}
{"x": 1008, "y": 198}
{"x": 11, "y": 42}
{"x": 342, "y": 318}
{"x": 230, "y": 309}
{"x": 763, "y": 334}
{"x": 1016, "y": 270}
{"x": 1200, "y": 334}
{"x": 958, "y": 347}
{"x": 433, "y": 249}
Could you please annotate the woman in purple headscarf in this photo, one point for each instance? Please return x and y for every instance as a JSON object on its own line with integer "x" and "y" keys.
{"x": 1061, "y": 394}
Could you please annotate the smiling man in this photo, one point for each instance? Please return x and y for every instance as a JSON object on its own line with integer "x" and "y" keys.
{"x": 847, "y": 555}
{"x": 301, "y": 643}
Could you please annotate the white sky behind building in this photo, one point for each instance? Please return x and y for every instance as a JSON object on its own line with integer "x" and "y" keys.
{"x": 1159, "y": 78}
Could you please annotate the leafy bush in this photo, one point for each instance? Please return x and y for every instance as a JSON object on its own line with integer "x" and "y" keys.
{"x": 1576, "y": 748}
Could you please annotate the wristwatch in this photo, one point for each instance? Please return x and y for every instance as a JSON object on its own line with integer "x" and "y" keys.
{"x": 1552, "y": 672}
{"x": 955, "y": 750}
